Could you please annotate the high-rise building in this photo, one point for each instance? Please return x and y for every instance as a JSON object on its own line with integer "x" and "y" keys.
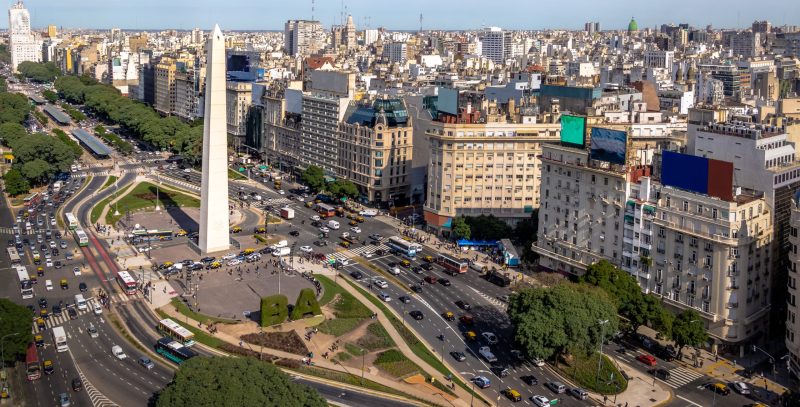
{"x": 349, "y": 34}
{"x": 52, "y": 31}
{"x": 764, "y": 27}
{"x": 659, "y": 59}
{"x": 370, "y": 36}
{"x": 138, "y": 42}
{"x": 323, "y": 107}
{"x": 745, "y": 43}
{"x": 496, "y": 44}
{"x": 793, "y": 296}
{"x": 303, "y": 37}
{"x": 395, "y": 52}
{"x": 23, "y": 44}
{"x": 238, "y": 103}
{"x": 591, "y": 27}
{"x": 165, "y": 86}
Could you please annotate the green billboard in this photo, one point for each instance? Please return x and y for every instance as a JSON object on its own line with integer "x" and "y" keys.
{"x": 573, "y": 130}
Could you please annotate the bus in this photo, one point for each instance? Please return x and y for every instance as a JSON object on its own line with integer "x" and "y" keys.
{"x": 452, "y": 264}
{"x": 174, "y": 351}
{"x": 25, "y": 284}
{"x": 152, "y": 234}
{"x": 72, "y": 221}
{"x": 127, "y": 282}
{"x": 81, "y": 237}
{"x": 326, "y": 210}
{"x": 406, "y": 248}
{"x": 32, "y": 199}
{"x": 32, "y": 367}
{"x": 13, "y": 255}
{"x": 176, "y": 332}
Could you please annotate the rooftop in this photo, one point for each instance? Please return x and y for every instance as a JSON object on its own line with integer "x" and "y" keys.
{"x": 744, "y": 130}
{"x": 57, "y": 114}
{"x": 91, "y": 142}
{"x": 393, "y": 109}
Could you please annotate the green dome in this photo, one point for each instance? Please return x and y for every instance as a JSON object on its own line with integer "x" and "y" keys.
{"x": 632, "y": 26}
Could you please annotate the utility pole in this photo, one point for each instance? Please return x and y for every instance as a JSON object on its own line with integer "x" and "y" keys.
{"x": 600, "y": 360}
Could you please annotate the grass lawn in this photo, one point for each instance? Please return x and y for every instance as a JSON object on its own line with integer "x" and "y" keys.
{"x": 199, "y": 334}
{"x": 97, "y": 210}
{"x": 143, "y": 196}
{"x": 235, "y": 175}
{"x": 329, "y": 289}
{"x": 110, "y": 181}
{"x": 354, "y": 350}
{"x": 376, "y": 338}
{"x": 351, "y": 379}
{"x": 181, "y": 307}
{"x": 583, "y": 370}
{"x": 396, "y": 364}
{"x": 339, "y": 326}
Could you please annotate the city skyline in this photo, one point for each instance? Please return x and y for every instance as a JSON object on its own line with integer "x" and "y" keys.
{"x": 182, "y": 14}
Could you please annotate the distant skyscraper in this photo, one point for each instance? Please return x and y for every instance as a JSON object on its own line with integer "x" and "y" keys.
{"x": 197, "y": 36}
{"x": 370, "y": 36}
{"x": 349, "y": 35}
{"x": 764, "y": 27}
{"x": 23, "y": 44}
{"x": 302, "y": 37}
{"x": 496, "y": 44}
{"x": 591, "y": 27}
{"x": 52, "y": 31}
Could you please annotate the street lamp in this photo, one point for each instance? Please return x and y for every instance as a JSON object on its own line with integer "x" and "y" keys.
{"x": 600, "y": 360}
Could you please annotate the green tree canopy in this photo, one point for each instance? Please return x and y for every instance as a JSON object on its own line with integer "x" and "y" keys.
{"x": 314, "y": 178}
{"x": 11, "y": 132}
{"x": 39, "y": 71}
{"x": 460, "y": 227}
{"x": 565, "y": 318}
{"x": 3, "y": 84}
{"x": 14, "y": 107}
{"x": 51, "y": 96}
{"x": 343, "y": 188}
{"x": 488, "y": 227}
{"x": 15, "y": 183}
{"x": 688, "y": 330}
{"x": 234, "y": 382}
{"x": 17, "y": 321}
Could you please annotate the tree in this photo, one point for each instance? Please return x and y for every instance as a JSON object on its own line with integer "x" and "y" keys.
{"x": 688, "y": 330}
{"x": 488, "y": 227}
{"x": 314, "y": 178}
{"x": 51, "y": 96}
{"x": 565, "y": 318}
{"x": 16, "y": 184}
{"x": 225, "y": 381}
{"x": 3, "y": 84}
{"x": 461, "y": 230}
{"x": 37, "y": 171}
{"x": 11, "y": 132}
{"x": 525, "y": 234}
{"x": 14, "y": 107}
{"x": 343, "y": 188}
{"x": 38, "y": 71}
{"x": 17, "y": 321}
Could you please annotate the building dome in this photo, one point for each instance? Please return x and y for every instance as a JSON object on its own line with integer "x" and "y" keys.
{"x": 632, "y": 26}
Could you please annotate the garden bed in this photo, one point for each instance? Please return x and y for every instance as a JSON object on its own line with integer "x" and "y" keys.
{"x": 285, "y": 341}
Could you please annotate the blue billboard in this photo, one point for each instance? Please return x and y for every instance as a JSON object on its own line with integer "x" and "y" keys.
{"x": 608, "y": 145}
{"x": 684, "y": 171}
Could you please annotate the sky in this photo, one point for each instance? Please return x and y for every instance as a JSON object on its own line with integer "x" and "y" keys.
{"x": 404, "y": 14}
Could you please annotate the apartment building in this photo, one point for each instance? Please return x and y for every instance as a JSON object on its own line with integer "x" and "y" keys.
{"x": 238, "y": 102}
{"x": 280, "y": 116}
{"x": 792, "y": 339}
{"x": 303, "y": 37}
{"x": 484, "y": 168}
{"x": 164, "y": 73}
{"x": 188, "y": 87}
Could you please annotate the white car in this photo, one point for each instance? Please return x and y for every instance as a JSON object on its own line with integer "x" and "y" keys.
{"x": 368, "y": 254}
{"x": 97, "y": 309}
{"x": 741, "y": 388}
{"x": 490, "y": 338}
{"x": 187, "y": 170}
{"x": 540, "y": 401}
{"x": 280, "y": 191}
{"x": 234, "y": 262}
{"x": 118, "y": 353}
{"x": 76, "y": 271}
{"x": 229, "y": 256}
{"x": 301, "y": 199}
{"x": 306, "y": 249}
{"x": 355, "y": 229}
{"x": 538, "y": 362}
{"x": 49, "y": 285}
{"x": 49, "y": 263}
{"x": 381, "y": 284}
{"x": 324, "y": 229}
{"x": 385, "y": 297}
{"x": 315, "y": 217}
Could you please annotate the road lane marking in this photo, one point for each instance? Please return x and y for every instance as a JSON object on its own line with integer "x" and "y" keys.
{"x": 687, "y": 400}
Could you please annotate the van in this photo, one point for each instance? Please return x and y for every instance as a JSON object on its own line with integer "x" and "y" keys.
{"x": 282, "y": 243}
{"x": 116, "y": 350}
{"x": 479, "y": 267}
{"x": 333, "y": 224}
{"x": 80, "y": 302}
{"x": 557, "y": 387}
{"x": 282, "y": 251}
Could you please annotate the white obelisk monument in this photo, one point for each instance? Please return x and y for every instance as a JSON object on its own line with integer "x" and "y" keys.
{"x": 214, "y": 232}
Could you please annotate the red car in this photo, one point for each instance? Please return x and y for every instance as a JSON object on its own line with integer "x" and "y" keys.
{"x": 647, "y": 360}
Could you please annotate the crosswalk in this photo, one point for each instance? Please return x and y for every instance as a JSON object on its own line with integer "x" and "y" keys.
{"x": 57, "y": 320}
{"x": 6, "y": 230}
{"x": 681, "y": 376}
{"x": 360, "y": 250}
{"x": 279, "y": 201}
{"x": 494, "y": 301}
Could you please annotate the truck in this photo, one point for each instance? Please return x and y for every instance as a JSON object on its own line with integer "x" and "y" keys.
{"x": 287, "y": 213}
{"x": 368, "y": 212}
{"x": 60, "y": 339}
{"x": 80, "y": 302}
{"x": 57, "y": 186}
{"x": 487, "y": 354}
{"x": 282, "y": 251}
{"x": 333, "y": 224}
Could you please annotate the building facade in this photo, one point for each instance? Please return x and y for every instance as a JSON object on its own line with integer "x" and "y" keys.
{"x": 23, "y": 44}
{"x": 792, "y": 339}
{"x": 303, "y": 37}
{"x": 239, "y": 98}
{"x": 496, "y": 44}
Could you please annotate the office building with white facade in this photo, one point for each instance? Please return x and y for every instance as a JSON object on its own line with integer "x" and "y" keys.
{"x": 23, "y": 44}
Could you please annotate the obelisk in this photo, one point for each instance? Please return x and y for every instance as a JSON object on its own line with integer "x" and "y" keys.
{"x": 214, "y": 232}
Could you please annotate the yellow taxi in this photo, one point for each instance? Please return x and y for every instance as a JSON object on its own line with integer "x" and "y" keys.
{"x": 44, "y": 314}
{"x": 261, "y": 229}
{"x": 405, "y": 263}
{"x": 64, "y": 284}
{"x": 40, "y": 324}
{"x": 181, "y": 232}
{"x": 166, "y": 265}
{"x": 360, "y": 219}
{"x": 215, "y": 265}
{"x": 39, "y": 340}
{"x": 40, "y": 271}
{"x": 512, "y": 394}
{"x": 352, "y": 223}
{"x": 470, "y": 335}
{"x": 249, "y": 251}
{"x": 236, "y": 229}
{"x": 34, "y": 279}
{"x": 344, "y": 244}
{"x": 351, "y": 216}
{"x": 48, "y": 367}
{"x": 449, "y": 316}
{"x": 309, "y": 204}
{"x": 429, "y": 259}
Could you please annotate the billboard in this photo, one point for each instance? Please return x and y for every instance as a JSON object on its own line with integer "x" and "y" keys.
{"x": 448, "y": 101}
{"x": 608, "y": 145}
{"x": 573, "y": 130}
{"x": 697, "y": 174}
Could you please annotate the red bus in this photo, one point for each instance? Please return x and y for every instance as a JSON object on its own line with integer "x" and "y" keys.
{"x": 34, "y": 370}
{"x": 325, "y": 210}
{"x": 32, "y": 199}
{"x": 126, "y": 282}
{"x": 452, "y": 264}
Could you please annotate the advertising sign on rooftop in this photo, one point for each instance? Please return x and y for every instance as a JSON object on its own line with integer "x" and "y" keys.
{"x": 697, "y": 174}
{"x": 608, "y": 145}
{"x": 573, "y": 130}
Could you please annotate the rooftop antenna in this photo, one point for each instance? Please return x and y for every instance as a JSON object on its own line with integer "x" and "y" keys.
{"x": 312, "y": 10}
{"x": 420, "y": 22}
{"x": 341, "y": 14}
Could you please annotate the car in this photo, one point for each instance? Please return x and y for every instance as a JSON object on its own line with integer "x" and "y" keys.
{"x": 355, "y": 229}
{"x": 458, "y": 356}
{"x": 662, "y": 374}
{"x": 320, "y": 243}
{"x": 540, "y": 401}
{"x": 427, "y": 266}
{"x": 481, "y": 381}
{"x": 381, "y": 283}
{"x": 415, "y": 288}
{"x": 64, "y": 400}
{"x": 92, "y": 330}
{"x": 281, "y": 192}
{"x": 385, "y": 297}
{"x": 229, "y": 256}
{"x": 380, "y": 252}
{"x": 445, "y": 282}
{"x": 56, "y": 309}
{"x": 741, "y": 388}
{"x": 368, "y": 254}
{"x": 538, "y": 362}
{"x": 83, "y": 287}
{"x": 72, "y": 313}
{"x": 97, "y": 309}
{"x": 307, "y": 249}
{"x": 63, "y": 244}
{"x": 556, "y": 387}
{"x": 53, "y": 244}
{"x": 146, "y": 363}
{"x": 48, "y": 367}
{"x": 416, "y": 315}
{"x": 489, "y": 337}
{"x": 431, "y": 279}
{"x": 116, "y": 350}
{"x": 404, "y": 299}
{"x": 49, "y": 262}
{"x": 208, "y": 259}
{"x": 58, "y": 264}
{"x": 719, "y": 388}
{"x": 48, "y": 284}
{"x": 76, "y": 271}
{"x": 43, "y": 303}
{"x": 69, "y": 256}
{"x": 500, "y": 371}
{"x": 294, "y": 233}
{"x": 77, "y": 384}
{"x": 579, "y": 393}
{"x": 530, "y": 380}
{"x": 234, "y": 262}
{"x": 376, "y": 236}
{"x": 648, "y": 360}
{"x": 357, "y": 275}
{"x": 315, "y": 218}
{"x": 463, "y": 305}
{"x": 324, "y": 229}
{"x": 512, "y": 394}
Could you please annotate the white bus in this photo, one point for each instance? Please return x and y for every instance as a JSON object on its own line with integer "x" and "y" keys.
{"x": 175, "y": 331}
{"x": 126, "y": 282}
{"x": 13, "y": 255}
{"x": 405, "y": 247}
{"x": 81, "y": 237}
{"x": 60, "y": 339}
{"x": 25, "y": 285}
{"x": 72, "y": 221}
